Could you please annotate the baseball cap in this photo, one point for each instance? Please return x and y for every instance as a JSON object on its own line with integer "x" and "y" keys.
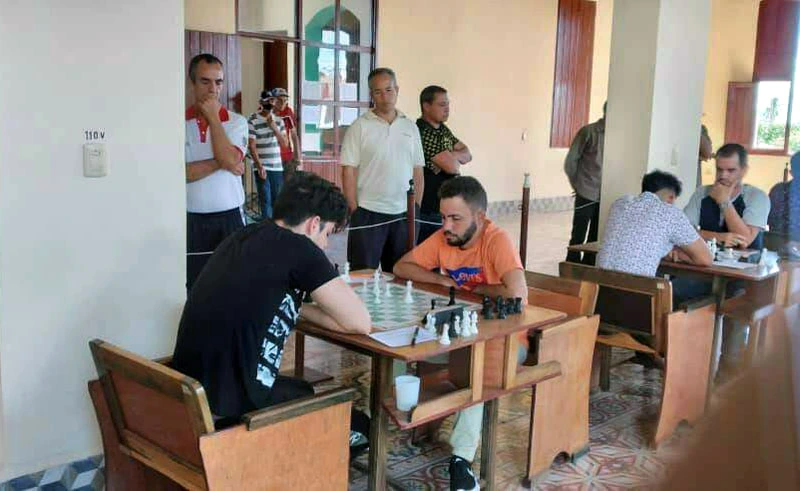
{"x": 265, "y": 94}
{"x": 279, "y": 92}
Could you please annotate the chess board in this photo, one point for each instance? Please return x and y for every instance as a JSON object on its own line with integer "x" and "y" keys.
{"x": 393, "y": 312}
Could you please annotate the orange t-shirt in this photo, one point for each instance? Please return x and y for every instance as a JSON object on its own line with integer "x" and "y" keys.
{"x": 485, "y": 263}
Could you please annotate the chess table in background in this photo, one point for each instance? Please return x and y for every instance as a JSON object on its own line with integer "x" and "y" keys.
{"x": 393, "y": 312}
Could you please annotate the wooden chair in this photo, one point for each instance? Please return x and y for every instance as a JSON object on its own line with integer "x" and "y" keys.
{"x": 158, "y": 433}
{"x": 759, "y": 302}
{"x": 630, "y": 304}
{"x": 564, "y": 399}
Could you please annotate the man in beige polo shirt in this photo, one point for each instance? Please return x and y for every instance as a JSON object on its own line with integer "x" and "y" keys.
{"x": 381, "y": 153}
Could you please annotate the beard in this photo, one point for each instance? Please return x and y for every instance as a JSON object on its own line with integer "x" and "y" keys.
{"x": 460, "y": 240}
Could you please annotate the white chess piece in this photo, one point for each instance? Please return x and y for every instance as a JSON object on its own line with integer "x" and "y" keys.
{"x": 430, "y": 324}
{"x": 376, "y": 276}
{"x": 347, "y": 271}
{"x": 457, "y": 326}
{"x": 377, "y": 297}
{"x": 388, "y": 289}
{"x": 376, "y": 289}
{"x": 409, "y": 298}
{"x": 445, "y": 337}
{"x": 474, "y": 323}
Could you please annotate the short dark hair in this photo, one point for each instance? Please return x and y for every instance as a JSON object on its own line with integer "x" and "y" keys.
{"x": 428, "y": 94}
{"x": 467, "y": 188}
{"x": 206, "y": 57}
{"x": 306, "y": 195}
{"x": 731, "y": 149}
{"x": 658, "y": 180}
{"x": 381, "y": 71}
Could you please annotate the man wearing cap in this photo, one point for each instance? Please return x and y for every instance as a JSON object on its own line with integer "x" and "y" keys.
{"x": 290, "y": 153}
{"x": 381, "y": 153}
{"x": 266, "y": 139}
{"x": 216, "y": 140}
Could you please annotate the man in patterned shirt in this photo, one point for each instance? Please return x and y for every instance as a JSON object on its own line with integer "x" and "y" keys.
{"x": 444, "y": 155}
{"x": 641, "y": 230}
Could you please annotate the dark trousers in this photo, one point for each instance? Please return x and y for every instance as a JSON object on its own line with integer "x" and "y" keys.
{"x": 204, "y": 232}
{"x": 427, "y": 229}
{"x": 373, "y": 245}
{"x": 268, "y": 190}
{"x": 585, "y": 217}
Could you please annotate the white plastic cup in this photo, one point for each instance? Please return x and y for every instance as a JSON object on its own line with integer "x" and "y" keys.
{"x": 406, "y": 392}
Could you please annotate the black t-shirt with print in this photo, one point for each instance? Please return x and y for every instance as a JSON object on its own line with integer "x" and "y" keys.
{"x": 434, "y": 141}
{"x": 240, "y": 311}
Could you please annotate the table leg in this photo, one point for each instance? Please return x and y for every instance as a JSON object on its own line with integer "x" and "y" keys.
{"x": 718, "y": 287}
{"x": 299, "y": 353}
{"x": 488, "y": 441}
{"x": 379, "y": 430}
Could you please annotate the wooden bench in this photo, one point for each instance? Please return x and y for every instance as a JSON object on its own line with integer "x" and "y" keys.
{"x": 158, "y": 433}
{"x": 560, "y": 406}
{"x": 631, "y": 304}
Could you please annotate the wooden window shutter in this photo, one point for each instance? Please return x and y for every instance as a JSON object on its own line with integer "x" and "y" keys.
{"x": 776, "y": 44}
{"x": 740, "y": 116}
{"x": 573, "y": 70}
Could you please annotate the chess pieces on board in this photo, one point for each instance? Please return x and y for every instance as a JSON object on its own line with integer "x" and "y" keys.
{"x": 445, "y": 337}
{"x": 452, "y": 296}
{"x": 503, "y": 307}
{"x": 430, "y": 323}
{"x": 346, "y": 273}
{"x": 409, "y": 298}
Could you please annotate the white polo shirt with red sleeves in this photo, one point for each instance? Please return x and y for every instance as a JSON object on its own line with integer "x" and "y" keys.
{"x": 221, "y": 190}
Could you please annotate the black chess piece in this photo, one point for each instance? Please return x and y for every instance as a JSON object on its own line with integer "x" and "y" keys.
{"x": 518, "y": 305}
{"x": 502, "y": 310}
{"x": 433, "y": 304}
{"x": 452, "y": 296}
{"x": 487, "y": 308}
{"x": 452, "y": 331}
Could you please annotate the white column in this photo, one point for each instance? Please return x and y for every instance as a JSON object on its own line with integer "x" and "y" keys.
{"x": 655, "y": 93}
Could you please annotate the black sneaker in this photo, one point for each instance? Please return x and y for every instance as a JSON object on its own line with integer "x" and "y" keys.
{"x": 461, "y": 476}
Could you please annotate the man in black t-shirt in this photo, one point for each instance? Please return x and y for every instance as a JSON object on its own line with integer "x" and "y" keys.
{"x": 248, "y": 297}
{"x": 444, "y": 155}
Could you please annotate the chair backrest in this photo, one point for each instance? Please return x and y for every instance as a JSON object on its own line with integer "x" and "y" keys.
{"x": 563, "y": 294}
{"x": 626, "y": 302}
{"x": 159, "y": 414}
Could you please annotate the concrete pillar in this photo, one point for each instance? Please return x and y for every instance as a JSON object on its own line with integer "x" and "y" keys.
{"x": 655, "y": 93}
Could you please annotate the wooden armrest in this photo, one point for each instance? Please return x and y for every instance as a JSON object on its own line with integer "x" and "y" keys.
{"x": 746, "y": 309}
{"x": 624, "y": 340}
{"x": 697, "y": 303}
{"x": 292, "y": 409}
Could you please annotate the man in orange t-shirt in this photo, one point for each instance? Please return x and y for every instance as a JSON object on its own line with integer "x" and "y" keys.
{"x": 473, "y": 254}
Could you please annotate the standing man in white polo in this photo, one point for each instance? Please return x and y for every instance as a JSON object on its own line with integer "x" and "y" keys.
{"x": 381, "y": 153}
{"x": 216, "y": 141}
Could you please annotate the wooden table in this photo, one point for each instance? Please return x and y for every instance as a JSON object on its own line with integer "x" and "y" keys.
{"x": 765, "y": 277}
{"x": 491, "y": 334}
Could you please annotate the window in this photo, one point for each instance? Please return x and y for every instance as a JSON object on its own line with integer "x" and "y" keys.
{"x": 572, "y": 83}
{"x": 333, "y": 45}
{"x": 765, "y": 115}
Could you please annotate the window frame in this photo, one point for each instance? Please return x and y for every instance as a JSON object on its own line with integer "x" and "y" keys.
{"x": 299, "y": 42}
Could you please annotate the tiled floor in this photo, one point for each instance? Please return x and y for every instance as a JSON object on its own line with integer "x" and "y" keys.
{"x": 620, "y": 420}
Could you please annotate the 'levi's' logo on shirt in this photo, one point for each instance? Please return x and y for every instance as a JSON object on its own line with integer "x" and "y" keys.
{"x": 467, "y": 277}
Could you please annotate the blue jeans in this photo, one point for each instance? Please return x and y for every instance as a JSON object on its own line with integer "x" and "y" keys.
{"x": 268, "y": 190}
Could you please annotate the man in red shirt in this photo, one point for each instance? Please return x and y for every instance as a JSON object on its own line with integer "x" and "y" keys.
{"x": 290, "y": 155}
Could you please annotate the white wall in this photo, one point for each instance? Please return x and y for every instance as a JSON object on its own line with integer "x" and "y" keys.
{"x": 83, "y": 258}
{"x": 656, "y": 84}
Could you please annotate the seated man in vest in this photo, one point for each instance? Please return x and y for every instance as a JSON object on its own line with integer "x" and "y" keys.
{"x": 732, "y": 212}
{"x": 471, "y": 253}
{"x": 249, "y": 295}
{"x": 641, "y": 230}
{"x": 784, "y": 213}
